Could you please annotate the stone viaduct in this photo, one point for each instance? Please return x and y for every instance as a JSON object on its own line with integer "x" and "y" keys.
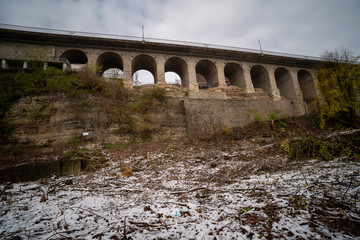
{"x": 236, "y": 80}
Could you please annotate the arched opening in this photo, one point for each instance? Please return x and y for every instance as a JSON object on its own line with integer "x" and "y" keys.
{"x": 74, "y": 56}
{"x": 176, "y": 66}
{"x": 307, "y": 86}
{"x": 285, "y": 83}
{"x": 173, "y": 78}
{"x": 143, "y": 77}
{"x": 201, "y": 81}
{"x": 143, "y": 70}
{"x": 260, "y": 78}
{"x": 111, "y": 65}
{"x": 207, "y": 70}
{"x": 113, "y": 73}
{"x": 234, "y": 74}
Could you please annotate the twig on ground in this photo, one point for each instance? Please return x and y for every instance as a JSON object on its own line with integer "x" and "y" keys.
{"x": 191, "y": 190}
{"x": 145, "y": 224}
{"x": 351, "y": 180}
{"x": 180, "y": 204}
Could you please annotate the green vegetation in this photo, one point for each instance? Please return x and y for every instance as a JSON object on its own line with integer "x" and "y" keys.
{"x": 142, "y": 129}
{"x": 228, "y": 131}
{"x": 338, "y": 83}
{"x": 37, "y": 81}
{"x": 151, "y": 99}
{"x": 42, "y": 113}
{"x": 89, "y": 94}
{"x": 323, "y": 147}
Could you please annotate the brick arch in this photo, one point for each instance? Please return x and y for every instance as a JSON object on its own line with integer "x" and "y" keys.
{"x": 144, "y": 62}
{"x": 178, "y": 66}
{"x": 235, "y": 74}
{"x": 260, "y": 78}
{"x": 109, "y": 60}
{"x": 74, "y": 56}
{"x": 307, "y": 85}
{"x": 208, "y": 70}
{"x": 285, "y": 84}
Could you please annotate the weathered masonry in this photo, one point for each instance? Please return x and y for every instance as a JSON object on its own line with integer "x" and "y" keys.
{"x": 235, "y": 81}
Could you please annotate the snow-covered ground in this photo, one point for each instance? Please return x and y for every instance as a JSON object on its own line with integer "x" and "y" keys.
{"x": 207, "y": 195}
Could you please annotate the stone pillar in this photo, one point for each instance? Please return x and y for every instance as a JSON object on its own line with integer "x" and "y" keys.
{"x": 275, "y": 93}
{"x": 294, "y": 78}
{"x": 249, "y": 87}
{"x": 193, "y": 85}
{"x": 127, "y": 71}
{"x": 299, "y": 95}
{"x": 25, "y": 64}
{"x": 160, "y": 71}
{"x": 4, "y": 64}
{"x": 45, "y": 65}
{"x": 314, "y": 77}
{"x": 220, "y": 73}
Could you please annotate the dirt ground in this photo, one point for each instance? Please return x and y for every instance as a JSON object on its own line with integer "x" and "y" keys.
{"x": 237, "y": 184}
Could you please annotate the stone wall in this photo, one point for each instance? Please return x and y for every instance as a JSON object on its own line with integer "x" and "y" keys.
{"x": 52, "y": 123}
{"x": 207, "y": 115}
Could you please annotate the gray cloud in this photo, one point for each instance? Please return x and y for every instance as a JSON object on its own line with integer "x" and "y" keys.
{"x": 303, "y": 27}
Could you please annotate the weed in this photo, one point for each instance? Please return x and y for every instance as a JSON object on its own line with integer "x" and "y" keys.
{"x": 152, "y": 99}
{"x": 42, "y": 113}
{"x": 275, "y": 115}
{"x": 248, "y": 113}
{"x": 258, "y": 118}
{"x": 322, "y": 147}
{"x": 74, "y": 142}
{"x": 112, "y": 146}
{"x": 228, "y": 131}
{"x": 141, "y": 128}
{"x": 126, "y": 171}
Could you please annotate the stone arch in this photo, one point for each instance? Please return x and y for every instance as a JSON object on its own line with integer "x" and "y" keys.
{"x": 109, "y": 60}
{"x": 178, "y": 66}
{"x": 285, "y": 84}
{"x": 307, "y": 86}
{"x": 144, "y": 62}
{"x": 260, "y": 78}
{"x": 74, "y": 56}
{"x": 208, "y": 70}
{"x": 235, "y": 74}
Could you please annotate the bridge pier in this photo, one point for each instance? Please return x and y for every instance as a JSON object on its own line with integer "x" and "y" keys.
{"x": 193, "y": 85}
{"x": 275, "y": 92}
{"x": 160, "y": 71}
{"x": 221, "y": 76}
{"x": 127, "y": 76}
{"x": 249, "y": 87}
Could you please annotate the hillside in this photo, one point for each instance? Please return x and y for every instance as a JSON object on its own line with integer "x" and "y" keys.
{"x": 141, "y": 176}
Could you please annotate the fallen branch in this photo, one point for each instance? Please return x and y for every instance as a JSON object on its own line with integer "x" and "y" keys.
{"x": 180, "y": 204}
{"x": 191, "y": 190}
{"x": 84, "y": 209}
{"x": 145, "y": 224}
{"x": 351, "y": 180}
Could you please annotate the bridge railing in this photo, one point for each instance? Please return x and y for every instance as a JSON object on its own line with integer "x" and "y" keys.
{"x": 153, "y": 40}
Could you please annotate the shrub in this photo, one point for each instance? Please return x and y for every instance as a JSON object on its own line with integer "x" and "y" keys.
{"x": 152, "y": 99}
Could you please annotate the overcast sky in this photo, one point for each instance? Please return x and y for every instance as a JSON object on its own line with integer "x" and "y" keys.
{"x": 306, "y": 27}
